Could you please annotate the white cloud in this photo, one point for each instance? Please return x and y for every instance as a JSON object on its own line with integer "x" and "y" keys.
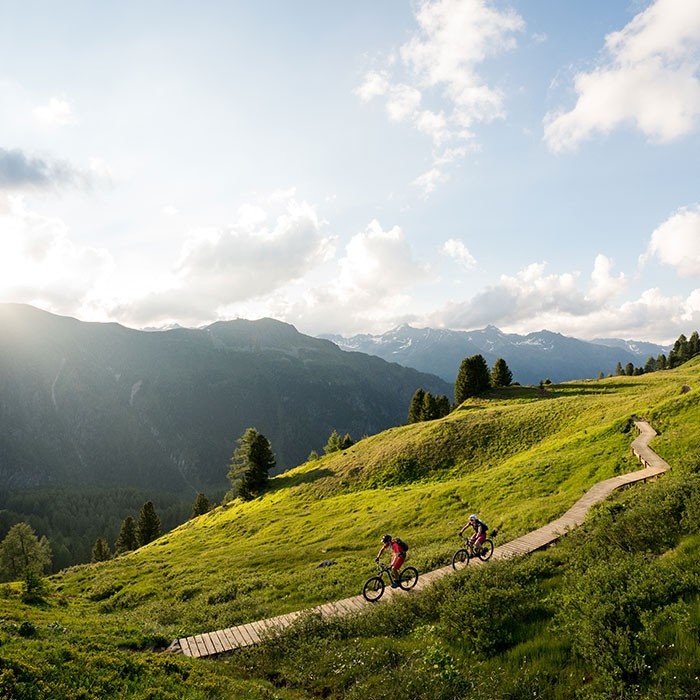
{"x": 676, "y": 242}
{"x": 440, "y": 67}
{"x": 371, "y": 287}
{"x": 649, "y": 80}
{"x": 603, "y": 285}
{"x": 57, "y": 112}
{"x": 456, "y": 250}
{"x": 41, "y": 265}
{"x": 376, "y": 83}
{"x": 428, "y": 181}
{"x": 402, "y": 102}
{"x": 272, "y": 243}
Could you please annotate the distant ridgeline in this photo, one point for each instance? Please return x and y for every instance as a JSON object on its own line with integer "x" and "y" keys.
{"x": 101, "y": 406}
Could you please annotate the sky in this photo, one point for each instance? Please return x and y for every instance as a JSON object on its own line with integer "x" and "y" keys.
{"x": 348, "y": 167}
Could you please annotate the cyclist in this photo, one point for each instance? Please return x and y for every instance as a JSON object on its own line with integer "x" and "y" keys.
{"x": 480, "y": 531}
{"x": 398, "y": 550}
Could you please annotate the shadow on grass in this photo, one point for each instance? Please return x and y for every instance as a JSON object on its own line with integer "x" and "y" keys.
{"x": 284, "y": 481}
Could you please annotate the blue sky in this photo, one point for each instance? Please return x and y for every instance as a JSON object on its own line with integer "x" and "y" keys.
{"x": 349, "y": 167}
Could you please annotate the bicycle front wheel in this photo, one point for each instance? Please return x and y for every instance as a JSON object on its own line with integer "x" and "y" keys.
{"x": 460, "y": 559}
{"x": 408, "y": 578}
{"x": 486, "y": 550}
{"x": 373, "y": 588}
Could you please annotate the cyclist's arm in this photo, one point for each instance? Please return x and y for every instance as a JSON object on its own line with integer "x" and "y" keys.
{"x": 381, "y": 551}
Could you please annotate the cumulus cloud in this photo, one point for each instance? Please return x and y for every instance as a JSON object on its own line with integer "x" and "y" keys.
{"x": 272, "y": 243}
{"x": 603, "y": 285}
{"x": 58, "y": 111}
{"x": 535, "y": 300}
{"x": 459, "y": 252}
{"x": 372, "y": 285}
{"x": 20, "y": 171}
{"x": 440, "y": 66}
{"x": 41, "y": 265}
{"x": 676, "y": 242}
{"x": 648, "y": 78}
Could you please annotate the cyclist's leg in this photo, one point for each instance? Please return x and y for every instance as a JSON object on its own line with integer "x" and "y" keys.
{"x": 480, "y": 538}
{"x": 396, "y": 564}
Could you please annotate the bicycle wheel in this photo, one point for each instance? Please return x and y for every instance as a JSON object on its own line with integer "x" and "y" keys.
{"x": 373, "y": 588}
{"x": 486, "y": 550}
{"x": 460, "y": 559}
{"x": 408, "y": 578}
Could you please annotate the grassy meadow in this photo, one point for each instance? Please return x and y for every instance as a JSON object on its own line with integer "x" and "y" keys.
{"x": 627, "y": 584}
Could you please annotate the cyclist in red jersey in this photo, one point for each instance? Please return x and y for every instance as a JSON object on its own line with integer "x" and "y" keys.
{"x": 398, "y": 551}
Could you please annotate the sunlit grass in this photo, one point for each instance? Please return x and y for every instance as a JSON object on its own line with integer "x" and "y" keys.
{"x": 519, "y": 458}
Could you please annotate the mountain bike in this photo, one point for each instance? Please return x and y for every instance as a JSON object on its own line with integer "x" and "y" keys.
{"x": 374, "y": 585}
{"x": 462, "y": 556}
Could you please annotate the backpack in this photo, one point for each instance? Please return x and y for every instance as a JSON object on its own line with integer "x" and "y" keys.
{"x": 401, "y": 544}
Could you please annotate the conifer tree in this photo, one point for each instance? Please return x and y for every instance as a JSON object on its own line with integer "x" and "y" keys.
{"x": 147, "y": 525}
{"x": 22, "y": 551}
{"x": 473, "y": 378}
{"x": 201, "y": 505}
{"x": 415, "y": 410}
{"x": 251, "y": 463}
{"x": 100, "y": 551}
{"x": 333, "y": 444}
{"x": 693, "y": 344}
{"x": 501, "y": 375}
{"x": 126, "y": 542}
{"x": 661, "y": 363}
{"x": 346, "y": 442}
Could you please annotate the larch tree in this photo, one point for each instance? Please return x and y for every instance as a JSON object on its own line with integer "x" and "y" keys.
{"x": 23, "y": 551}
{"x": 415, "y": 409}
{"x": 100, "y": 551}
{"x": 501, "y": 375}
{"x": 147, "y": 525}
{"x": 251, "y": 464}
{"x": 126, "y": 542}
{"x": 201, "y": 505}
{"x": 473, "y": 378}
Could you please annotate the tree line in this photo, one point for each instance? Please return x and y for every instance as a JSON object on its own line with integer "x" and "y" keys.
{"x": 683, "y": 350}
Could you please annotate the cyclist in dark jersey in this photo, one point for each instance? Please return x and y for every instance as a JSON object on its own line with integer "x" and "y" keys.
{"x": 480, "y": 531}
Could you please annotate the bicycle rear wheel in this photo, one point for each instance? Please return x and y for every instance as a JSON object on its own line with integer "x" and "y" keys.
{"x": 408, "y": 578}
{"x": 486, "y": 550}
{"x": 373, "y": 588}
{"x": 460, "y": 559}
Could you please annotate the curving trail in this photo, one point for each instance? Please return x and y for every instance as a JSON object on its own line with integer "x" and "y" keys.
{"x": 212, "y": 643}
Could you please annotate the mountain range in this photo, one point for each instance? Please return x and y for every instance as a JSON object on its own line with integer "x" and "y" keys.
{"x": 531, "y": 358}
{"x": 101, "y": 404}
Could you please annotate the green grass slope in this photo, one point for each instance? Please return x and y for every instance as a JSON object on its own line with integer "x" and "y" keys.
{"x": 519, "y": 458}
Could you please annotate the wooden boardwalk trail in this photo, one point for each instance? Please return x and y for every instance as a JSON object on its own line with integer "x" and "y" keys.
{"x": 220, "y": 641}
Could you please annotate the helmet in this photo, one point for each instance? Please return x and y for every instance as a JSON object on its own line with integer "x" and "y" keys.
{"x": 386, "y": 539}
{"x": 472, "y": 517}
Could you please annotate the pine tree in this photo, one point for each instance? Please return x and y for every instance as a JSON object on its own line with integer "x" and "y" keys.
{"x": 100, "y": 551}
{"x": 147, "y": 525}
{"x": 346, "y": 442}
{"x": 126, "y": 542}
{"x": 21, "y": 551}
{"x": 334, "y": 443}
{"x": 693, "y": 344}
{"x": 415, "y": 410}
{"x": 501, "y": 375}
{"x": 473, "y": 378}
{"x": 200, "y": 506}
{"x": 251, "y": 463}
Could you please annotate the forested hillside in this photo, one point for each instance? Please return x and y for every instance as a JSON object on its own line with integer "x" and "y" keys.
{"x": 87, "y": 408}
{"x": 610, "y": 612}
